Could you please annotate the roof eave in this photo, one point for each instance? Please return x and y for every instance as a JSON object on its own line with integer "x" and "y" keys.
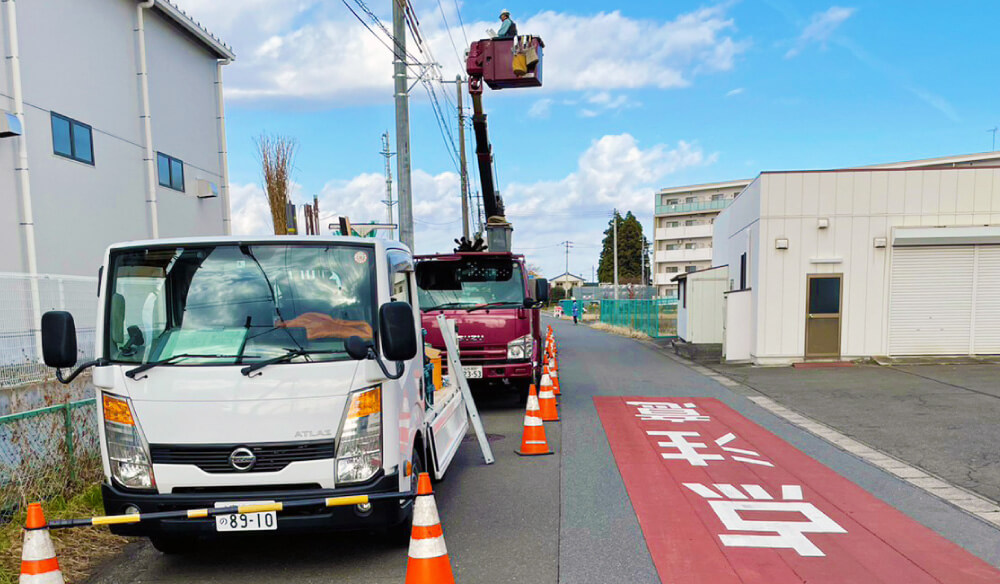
{"x": 220, "y": 49}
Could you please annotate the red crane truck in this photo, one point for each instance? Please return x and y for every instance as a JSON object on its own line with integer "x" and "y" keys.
{"x": 488, "y": 292}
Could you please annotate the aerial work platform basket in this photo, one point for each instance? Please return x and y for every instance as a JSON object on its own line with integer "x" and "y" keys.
{"x": 506, "y": 63}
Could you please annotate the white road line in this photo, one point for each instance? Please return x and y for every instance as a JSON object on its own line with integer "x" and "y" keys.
{"x": 966, "y": 500}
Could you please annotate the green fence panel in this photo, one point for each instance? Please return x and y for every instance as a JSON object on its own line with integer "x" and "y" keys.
{"x": 656, "y": 318}
{"x": 45, "y": 452}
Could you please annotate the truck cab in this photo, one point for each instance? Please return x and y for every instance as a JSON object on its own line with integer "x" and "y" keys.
{"x": 496, "y": 311}
{"x": 271, "y": 369}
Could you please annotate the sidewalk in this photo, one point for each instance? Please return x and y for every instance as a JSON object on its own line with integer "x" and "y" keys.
{"x": 944, "y": 419}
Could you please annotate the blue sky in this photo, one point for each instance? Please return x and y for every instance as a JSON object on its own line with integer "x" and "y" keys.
{"x": 638, "y": 95}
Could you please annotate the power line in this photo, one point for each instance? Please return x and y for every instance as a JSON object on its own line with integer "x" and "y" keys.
{"x": 447, "y": 29}
{"x": 458, "y": 11}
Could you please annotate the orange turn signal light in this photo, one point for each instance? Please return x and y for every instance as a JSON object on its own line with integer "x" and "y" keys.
{"x": 366, "y": 403}
{"x": 117, "y": 410}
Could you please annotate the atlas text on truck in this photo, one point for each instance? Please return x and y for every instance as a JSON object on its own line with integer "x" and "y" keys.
{"x": 487, "y": 292}
{"x": 271, "y": 369}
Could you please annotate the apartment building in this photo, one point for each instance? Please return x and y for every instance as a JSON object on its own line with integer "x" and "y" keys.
{"x": 683, "y": 223}
{"x": 111, "y": 128}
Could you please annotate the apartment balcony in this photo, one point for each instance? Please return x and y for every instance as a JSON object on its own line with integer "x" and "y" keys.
{"x": 702, "y": 254}
{"x": 684, "y": 232}
{"x": 664, "y": 279}
{"x": 693, "y": 207}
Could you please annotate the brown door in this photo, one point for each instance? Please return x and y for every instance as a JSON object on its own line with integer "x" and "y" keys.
{"x": 823, "y": 316}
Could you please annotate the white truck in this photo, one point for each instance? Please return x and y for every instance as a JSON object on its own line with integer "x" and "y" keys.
{"x": 260, "y": 369}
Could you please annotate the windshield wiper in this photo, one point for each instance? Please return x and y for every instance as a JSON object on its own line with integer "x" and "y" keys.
{"x": 288, "y": 356}
{"x": 449, "y": 305}
{"x": 131, "y": 373}
{"x": 489, "y": 305}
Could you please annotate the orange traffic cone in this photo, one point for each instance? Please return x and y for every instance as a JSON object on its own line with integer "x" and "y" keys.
{"x": 554, "y": 375}
{"x": 533, "y": 442}
{"x": 547, "y": 402}
{"x": 428, "y": 563}
{"x": 38, "y": 556}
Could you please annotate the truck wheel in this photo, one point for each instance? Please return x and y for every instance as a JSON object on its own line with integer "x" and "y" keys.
{"x": 173, "y": 545}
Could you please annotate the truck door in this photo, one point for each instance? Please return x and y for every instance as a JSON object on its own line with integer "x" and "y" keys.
{"x": 445, "y": 415}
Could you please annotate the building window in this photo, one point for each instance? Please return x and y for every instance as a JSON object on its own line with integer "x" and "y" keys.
{"x": 691, "y": 199}
{"x": 718, "y": 197}
{"x": 672, "y": 201}
{"x": 171, "y": 172}
{"x": 671, "y": 269}
{"x": 72, "y": 139}
{"x": 674, "y": 224}
{"x": 690, "y": 222}
{"x": 690, "y": 246}
{"x": 743, "y": 271}
{"x": 672, "y": 246}
{"x": 690, "y": 269}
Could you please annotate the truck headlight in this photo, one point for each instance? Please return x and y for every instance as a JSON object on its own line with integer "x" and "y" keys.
{"x": 359, "y": 449}
{"x": 520, "y": 348}
{"x": 127, "y": 452}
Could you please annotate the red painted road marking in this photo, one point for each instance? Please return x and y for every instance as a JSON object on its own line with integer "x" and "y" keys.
{"x": 721, "y": 500}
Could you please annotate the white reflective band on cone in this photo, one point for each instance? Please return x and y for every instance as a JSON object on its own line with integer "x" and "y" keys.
{"x": 546, "y": 380}
{"x": 532, "y": 421}
{"x": 426, "y": 549}
{"x": 535, "y": 442}
{"x": 425, "y": 513}
{"x": 533, "y": 403}
{"x": 547, "y": 394}
{"x": 37, "y": 545}
{"x": 48, "y": 578}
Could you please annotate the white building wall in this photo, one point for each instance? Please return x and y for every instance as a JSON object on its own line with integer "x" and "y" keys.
{"x": 860, "y": 206}
{"x": 79, "y": 59}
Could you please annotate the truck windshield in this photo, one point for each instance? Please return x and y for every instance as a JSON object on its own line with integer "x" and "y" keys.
{"x": 238, "y": 303}
{"x": 469, "y": 282}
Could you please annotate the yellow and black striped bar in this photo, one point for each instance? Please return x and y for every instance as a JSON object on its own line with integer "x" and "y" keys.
{"x": 279, "y": 506}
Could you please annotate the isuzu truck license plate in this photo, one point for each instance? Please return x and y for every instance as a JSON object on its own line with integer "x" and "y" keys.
{"x": 473, "y": 372}
{"x": 264, "y": 521}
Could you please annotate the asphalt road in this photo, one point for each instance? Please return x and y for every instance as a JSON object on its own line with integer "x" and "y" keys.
{"x": 563, "y": 518}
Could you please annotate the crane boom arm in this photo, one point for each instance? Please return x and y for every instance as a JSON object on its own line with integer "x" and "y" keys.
{"x": 492, "y": 203}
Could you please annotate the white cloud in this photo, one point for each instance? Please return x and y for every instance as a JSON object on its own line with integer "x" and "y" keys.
{"x": 541, "y": 109}
{"x": 735, "y": 92}
{"x": 310, "y": 50}
{"x": 821, "y": 27}
{"x": 613, "y": 172}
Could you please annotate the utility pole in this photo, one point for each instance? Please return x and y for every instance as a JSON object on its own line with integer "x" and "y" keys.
{"x": 388, "y": 181}
{"x": 464, "y": 167}
{"x": 568, "y": 245}
{"x": 614, "y": 222}
{"x": 402, "y": 124}
{"x": 994, "y": 131}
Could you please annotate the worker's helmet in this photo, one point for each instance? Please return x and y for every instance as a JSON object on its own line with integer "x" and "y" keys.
{"x": 504, "y": 12}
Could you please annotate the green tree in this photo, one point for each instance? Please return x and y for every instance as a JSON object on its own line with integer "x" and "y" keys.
{"x": 632, "y": 251}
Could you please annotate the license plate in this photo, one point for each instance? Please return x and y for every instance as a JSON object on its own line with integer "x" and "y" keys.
{"x": 473, "y": 372}
{"x": 265, "y": 521}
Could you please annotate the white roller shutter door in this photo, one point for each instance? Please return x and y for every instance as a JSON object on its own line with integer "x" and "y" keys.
{"x": 931, "y": 300}
{"x": 986, "y": 337}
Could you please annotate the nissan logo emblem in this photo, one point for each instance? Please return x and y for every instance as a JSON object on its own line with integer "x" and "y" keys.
{"x": 242, "y": 459}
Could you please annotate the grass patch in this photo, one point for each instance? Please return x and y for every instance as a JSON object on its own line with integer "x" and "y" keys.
{"x": 80, "y": 550}
{"x": 619, "y": 330}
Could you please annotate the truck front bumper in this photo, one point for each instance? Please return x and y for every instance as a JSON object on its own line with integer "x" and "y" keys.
{"x": 383, "y": 513}
{"x": 511, "y": 371}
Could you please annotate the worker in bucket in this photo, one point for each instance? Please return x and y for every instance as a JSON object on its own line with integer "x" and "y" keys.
{"x": 508, "y": 29}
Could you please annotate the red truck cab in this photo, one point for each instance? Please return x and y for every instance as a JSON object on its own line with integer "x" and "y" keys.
{"x": 496, "y": 310}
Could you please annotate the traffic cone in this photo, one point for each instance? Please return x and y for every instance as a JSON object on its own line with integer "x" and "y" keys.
{"x": 38, "y": 556}
{"x": 428, "y": 563}
{"x": 547, "y": 403}
{"x": 533, "y": 442}
{"x": 554, "y": 375}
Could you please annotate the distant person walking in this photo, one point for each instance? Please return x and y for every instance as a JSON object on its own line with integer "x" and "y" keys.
{"x": 508, "y": 29}
{"x": 576, "y": 310}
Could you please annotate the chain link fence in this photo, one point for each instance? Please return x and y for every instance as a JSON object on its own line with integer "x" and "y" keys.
{"x": 655, "y": 318}
{"x": 23, "y": 300}
{"x": 47, "y": 453}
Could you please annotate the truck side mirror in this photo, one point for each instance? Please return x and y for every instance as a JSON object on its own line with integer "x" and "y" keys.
{"x": 58, "y": 339}
{"x": 398, "y": 331}
{"x": 541, "y": 290}
{"x": 357, "y": 348}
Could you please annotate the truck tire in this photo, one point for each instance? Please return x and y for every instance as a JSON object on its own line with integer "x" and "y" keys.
{"x": 173, "y": 545}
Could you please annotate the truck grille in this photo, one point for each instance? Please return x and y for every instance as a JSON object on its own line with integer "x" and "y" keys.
{"x": 214, "y": 458}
